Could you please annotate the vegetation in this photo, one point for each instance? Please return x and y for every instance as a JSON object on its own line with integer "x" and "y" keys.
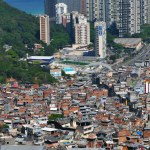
{"x": 59, "y": 39}
{"x": 3, "y": 126}
{"x": 113, "y": 33}
{"x": 17, "y": 28}
{"x": 55, "y": 116}
{"x": 21, "y": 31}
{"x": 22, "y": 70}
{"x": 145, "y": 33}
{"x": 64, "y": 74}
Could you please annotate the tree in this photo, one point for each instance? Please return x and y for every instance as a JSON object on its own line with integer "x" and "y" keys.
{"x": 113, "y": 29}
{"x": 113, "y": 58}
{"x": 55, "y": 116}
{"x": 3, "y": 126}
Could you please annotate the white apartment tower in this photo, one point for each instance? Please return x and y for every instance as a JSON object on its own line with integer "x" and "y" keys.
{"x": 100, "y": 39}
{"x": 61, "y": 9}
{"x": 82, "y": 31}
{"x": 45, "y": 29}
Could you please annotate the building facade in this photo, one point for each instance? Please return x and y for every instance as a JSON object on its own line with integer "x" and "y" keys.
{"x": 49, "y": 8}
{"x": 145, "y": 11}
{"x": 128, "y": 15}
{"x": 66, "y": 20}
{"x": 148, "y": 7}
{"x": 100, "y": 39}
{"x": 61, "y": 9}
{"x": 83, "y": 7}
{"x": 82, "y": 31}
{"x": 92, "y": 9}
{"x": 73, "y": 22}
{"x": 45, "y": 29}
{"x": 73, "y": 5}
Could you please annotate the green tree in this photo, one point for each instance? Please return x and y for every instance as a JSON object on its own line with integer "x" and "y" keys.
{"x": 55, "y": 116}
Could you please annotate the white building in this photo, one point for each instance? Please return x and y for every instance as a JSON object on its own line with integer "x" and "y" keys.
{"x": 82, "y": 31}
{"x": 45, "y": 29}
{"x": 147, "y": 86}
{"x": 66, "y": 19}
{"x": 61, "y": 9}
{"x": 100, "y": 39}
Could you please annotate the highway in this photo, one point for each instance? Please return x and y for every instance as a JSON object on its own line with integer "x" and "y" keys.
{"x": 143, "y": 54}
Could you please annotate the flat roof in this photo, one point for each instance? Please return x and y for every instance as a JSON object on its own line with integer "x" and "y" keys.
{"x": 128, "y": 41}
{"x": 40, "y": 57}
{"x": 49, "y": 129}
{"x": 53, "y": 108}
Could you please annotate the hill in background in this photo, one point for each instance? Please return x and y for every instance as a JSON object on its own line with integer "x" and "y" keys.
{"x": 18, "y": 29}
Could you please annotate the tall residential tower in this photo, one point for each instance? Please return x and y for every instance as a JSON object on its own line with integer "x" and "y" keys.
{"x": 61, "y": 9}
{"x": 44, "y": 29}
{"x": 82, "y": 31}
{"x": 128, "y": 15}
{"x": 73, "y": 5}
{"x": 100, "y": 39}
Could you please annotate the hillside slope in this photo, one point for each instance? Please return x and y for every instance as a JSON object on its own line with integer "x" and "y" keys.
{"x": 17, "y": 28}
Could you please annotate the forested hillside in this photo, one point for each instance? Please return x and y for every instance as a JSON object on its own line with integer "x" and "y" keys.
{"x": 18, "y": 29}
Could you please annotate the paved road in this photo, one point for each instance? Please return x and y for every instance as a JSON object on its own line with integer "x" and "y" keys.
{"x": 141, "y": 56}
{"x": 99, "y": 64}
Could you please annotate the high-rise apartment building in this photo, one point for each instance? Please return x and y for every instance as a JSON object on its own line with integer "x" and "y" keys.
{"x": 83, "y": 7}
{"x": 102, "y": 10}
{"x": 109, "y": 11}
{"x": 92, "y": 9}
{"x": 100, "y": 39}
{"x": 128, "y": 15}
{"x": 73, "y": 21}
{"x": 49, "y": 7}
{"x": 44, "y": 29}
{"x": 129, "y": 21}
{"x": 145, "y": 11}
{"x": 73, "y": 5}
{"x": 79, "y": 29}
{"x": 148, "y": 11}
{"x": 61, "y": 9}
{"x": 82, "y": 31}
{"x": 66, "y": 19}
